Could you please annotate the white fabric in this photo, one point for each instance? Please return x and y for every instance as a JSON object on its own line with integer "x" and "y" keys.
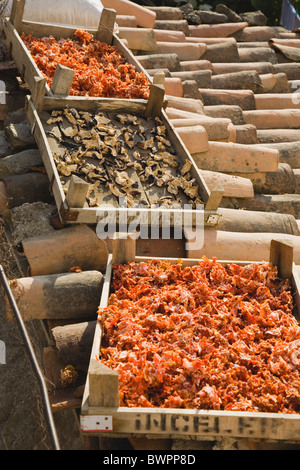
{"x": 74, "y": 13}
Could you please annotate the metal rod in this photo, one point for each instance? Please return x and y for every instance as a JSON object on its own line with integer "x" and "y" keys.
{"x": 33, "y": 360}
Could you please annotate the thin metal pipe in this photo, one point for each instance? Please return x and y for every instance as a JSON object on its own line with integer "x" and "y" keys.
{"x": 33, "y": 360}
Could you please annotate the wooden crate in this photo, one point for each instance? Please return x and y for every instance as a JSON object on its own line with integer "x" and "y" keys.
{"x": 15, "y": 26}
{"x": 101, "y": 414}
{"x": 74, "y": 209}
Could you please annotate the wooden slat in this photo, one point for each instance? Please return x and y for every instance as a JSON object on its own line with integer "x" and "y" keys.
{"x": 281, "y": 255}
{"x": 20, "y": 55}
{"x": 62, "y": 80}
{"x": 52, "y": 134}
{"x": 187, "y": 423}
{"x": 77, "y": 192}
{"x": 215, "y": 198}
{"x": 38, "y": 93}
{"x": 24, "y": 60}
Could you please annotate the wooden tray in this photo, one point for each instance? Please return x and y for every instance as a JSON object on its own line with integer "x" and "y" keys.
{"x": 15, "y": 26}
{"x": 72, "y": 207}
{"x": 101, "y": 414}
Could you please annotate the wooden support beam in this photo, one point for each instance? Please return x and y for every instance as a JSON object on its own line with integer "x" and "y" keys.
{"x": 62, "y": 80}
{"x": 106, "y": 26}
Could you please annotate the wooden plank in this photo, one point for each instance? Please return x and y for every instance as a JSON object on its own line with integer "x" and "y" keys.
{"x": 62, "y": 80}
{"x": 94, "y": 379}
{"x": 77, "y": 192}
{"x": 110, "y": 105}
{"x": 106, "y": 26}
{"x": 215, "y": 198}
{"x": 105, "y": 382}
{"x": 46, "y": 154}
{"x": 159, "y": 78}
{"x": 187, "y": 423}
{"x": 296, "y": 288}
